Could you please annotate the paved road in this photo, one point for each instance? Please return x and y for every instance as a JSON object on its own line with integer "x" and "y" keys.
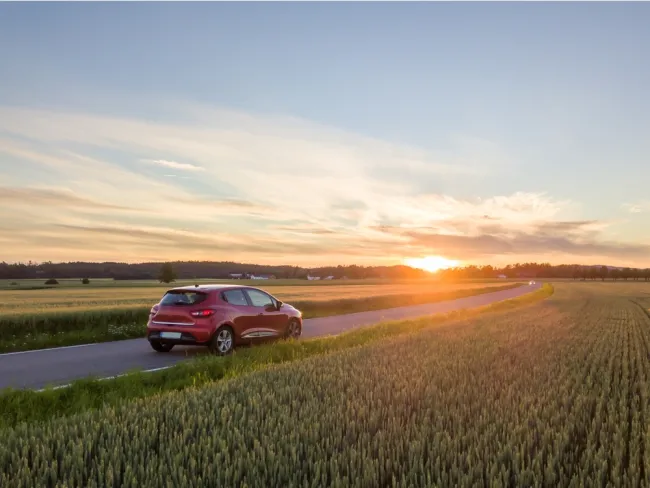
{"x": 37, "y": 369}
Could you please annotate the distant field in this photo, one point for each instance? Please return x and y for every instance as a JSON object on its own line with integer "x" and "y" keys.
{"x": 26, "y": 285}
{"x": 108, "y": 282}
{"x": 90, "y": 298}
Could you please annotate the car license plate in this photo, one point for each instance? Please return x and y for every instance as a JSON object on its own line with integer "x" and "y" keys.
{"x": 170, "y": 335}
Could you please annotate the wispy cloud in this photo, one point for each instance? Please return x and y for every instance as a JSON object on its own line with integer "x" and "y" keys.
{"x": 51, "y": 197}
{"x": 305, "y": 229}
{"x": 262, "y": 188}
{"x": 173, "y": 165}
{"x": 227, "y": 206}
{"x": 637, "y": 207}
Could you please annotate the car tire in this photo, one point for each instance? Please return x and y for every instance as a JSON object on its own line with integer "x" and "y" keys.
{"x": 161, "y": 346}
{"x": 293, "y": 329}
{"x": 223, "y": 341}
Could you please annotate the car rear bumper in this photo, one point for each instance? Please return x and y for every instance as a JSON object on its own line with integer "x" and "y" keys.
{"x": 188, "y": 336}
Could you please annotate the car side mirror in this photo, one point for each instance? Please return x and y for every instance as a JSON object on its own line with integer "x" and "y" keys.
{"x": 279, "y": 304}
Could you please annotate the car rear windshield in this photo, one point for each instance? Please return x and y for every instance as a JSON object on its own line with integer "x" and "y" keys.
{"x": 183, "y": 297}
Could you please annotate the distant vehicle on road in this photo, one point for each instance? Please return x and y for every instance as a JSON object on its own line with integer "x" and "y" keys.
{"x": 531, "y": 282}
{"x": 220, "y": 317}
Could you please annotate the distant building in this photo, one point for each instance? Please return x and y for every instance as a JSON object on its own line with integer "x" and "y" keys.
{"x": 313, "y": 278}
{"x": 329, "y": 278}
{"x": 236, "y": 276}
{"x": 502, "y": 277}
{"x": 262, "y": 277}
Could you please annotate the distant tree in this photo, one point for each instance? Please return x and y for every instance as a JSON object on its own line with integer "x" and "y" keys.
{"x": 51, "y": 281}
{"x": 646, "y": 274}
{"x": 626, "y": 273}
{"x": 167, "y": 274}
{"x": 575, "y": 272}
{"x": 85, "y": 281}
{"x": 604, "y": 271}
{"x": 615, "y": 274}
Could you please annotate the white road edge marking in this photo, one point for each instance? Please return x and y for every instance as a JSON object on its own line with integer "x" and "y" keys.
{"x": 58, "y": 387}
{"x": 50, "y": 349}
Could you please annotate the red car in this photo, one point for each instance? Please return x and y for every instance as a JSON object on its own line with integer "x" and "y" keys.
{"x": 220, "y": 317}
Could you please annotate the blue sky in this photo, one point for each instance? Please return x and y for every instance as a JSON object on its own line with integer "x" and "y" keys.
{"x": 325, "y": 133}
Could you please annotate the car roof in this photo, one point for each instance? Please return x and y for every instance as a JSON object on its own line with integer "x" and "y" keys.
{"x": 209, "y": 287}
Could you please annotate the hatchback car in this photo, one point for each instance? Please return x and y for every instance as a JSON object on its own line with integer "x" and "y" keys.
{"x": 220, "y": 317}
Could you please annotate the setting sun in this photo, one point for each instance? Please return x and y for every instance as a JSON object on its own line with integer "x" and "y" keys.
{"x": 431, "y": 263}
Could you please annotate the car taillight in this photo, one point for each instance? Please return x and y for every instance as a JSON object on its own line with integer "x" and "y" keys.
{"x": 202, "y": 313}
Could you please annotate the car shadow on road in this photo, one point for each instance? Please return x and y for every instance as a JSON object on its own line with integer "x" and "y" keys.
{"x": 200, "y": 351}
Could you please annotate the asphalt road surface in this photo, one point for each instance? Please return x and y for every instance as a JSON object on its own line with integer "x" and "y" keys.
{"x": 37, "y": 369}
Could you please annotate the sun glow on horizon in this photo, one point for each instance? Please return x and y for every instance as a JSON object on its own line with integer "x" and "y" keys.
{"x": 431, "y": 263}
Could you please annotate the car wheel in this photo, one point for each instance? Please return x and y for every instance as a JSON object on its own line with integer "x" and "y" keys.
{"x": 160, "y": 346}
{"x": 293, "y": 329}
{"x": 223, "y": 341}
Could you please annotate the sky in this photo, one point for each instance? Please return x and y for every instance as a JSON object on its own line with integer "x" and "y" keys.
{"x": 325, "y": 133}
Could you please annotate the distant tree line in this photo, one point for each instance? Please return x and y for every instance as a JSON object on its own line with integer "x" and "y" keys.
{"x": 220, "y": 270}
{"x": 196, "y": 270}
{"x": 546, "y": 270}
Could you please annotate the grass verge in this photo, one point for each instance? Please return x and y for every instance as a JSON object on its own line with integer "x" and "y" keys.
{"x": 25, "y": 332}
{"x": 18, "y": 406}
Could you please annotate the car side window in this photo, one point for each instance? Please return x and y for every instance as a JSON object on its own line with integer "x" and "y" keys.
{"x": 235, "y": 297}
{"x": 259, "y": 299}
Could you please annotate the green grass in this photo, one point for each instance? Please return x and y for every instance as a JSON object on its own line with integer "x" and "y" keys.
{"x": 23, "y": 332}
{"x": 19, "y": 406}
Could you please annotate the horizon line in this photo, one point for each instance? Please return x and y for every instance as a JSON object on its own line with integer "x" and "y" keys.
{"x": 58, "y": 263}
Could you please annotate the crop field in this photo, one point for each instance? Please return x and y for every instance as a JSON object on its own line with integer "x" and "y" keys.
{"x": 39, "y": 284}
{"x": 27, "y": 284}
{"x": 556, "y": 394}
